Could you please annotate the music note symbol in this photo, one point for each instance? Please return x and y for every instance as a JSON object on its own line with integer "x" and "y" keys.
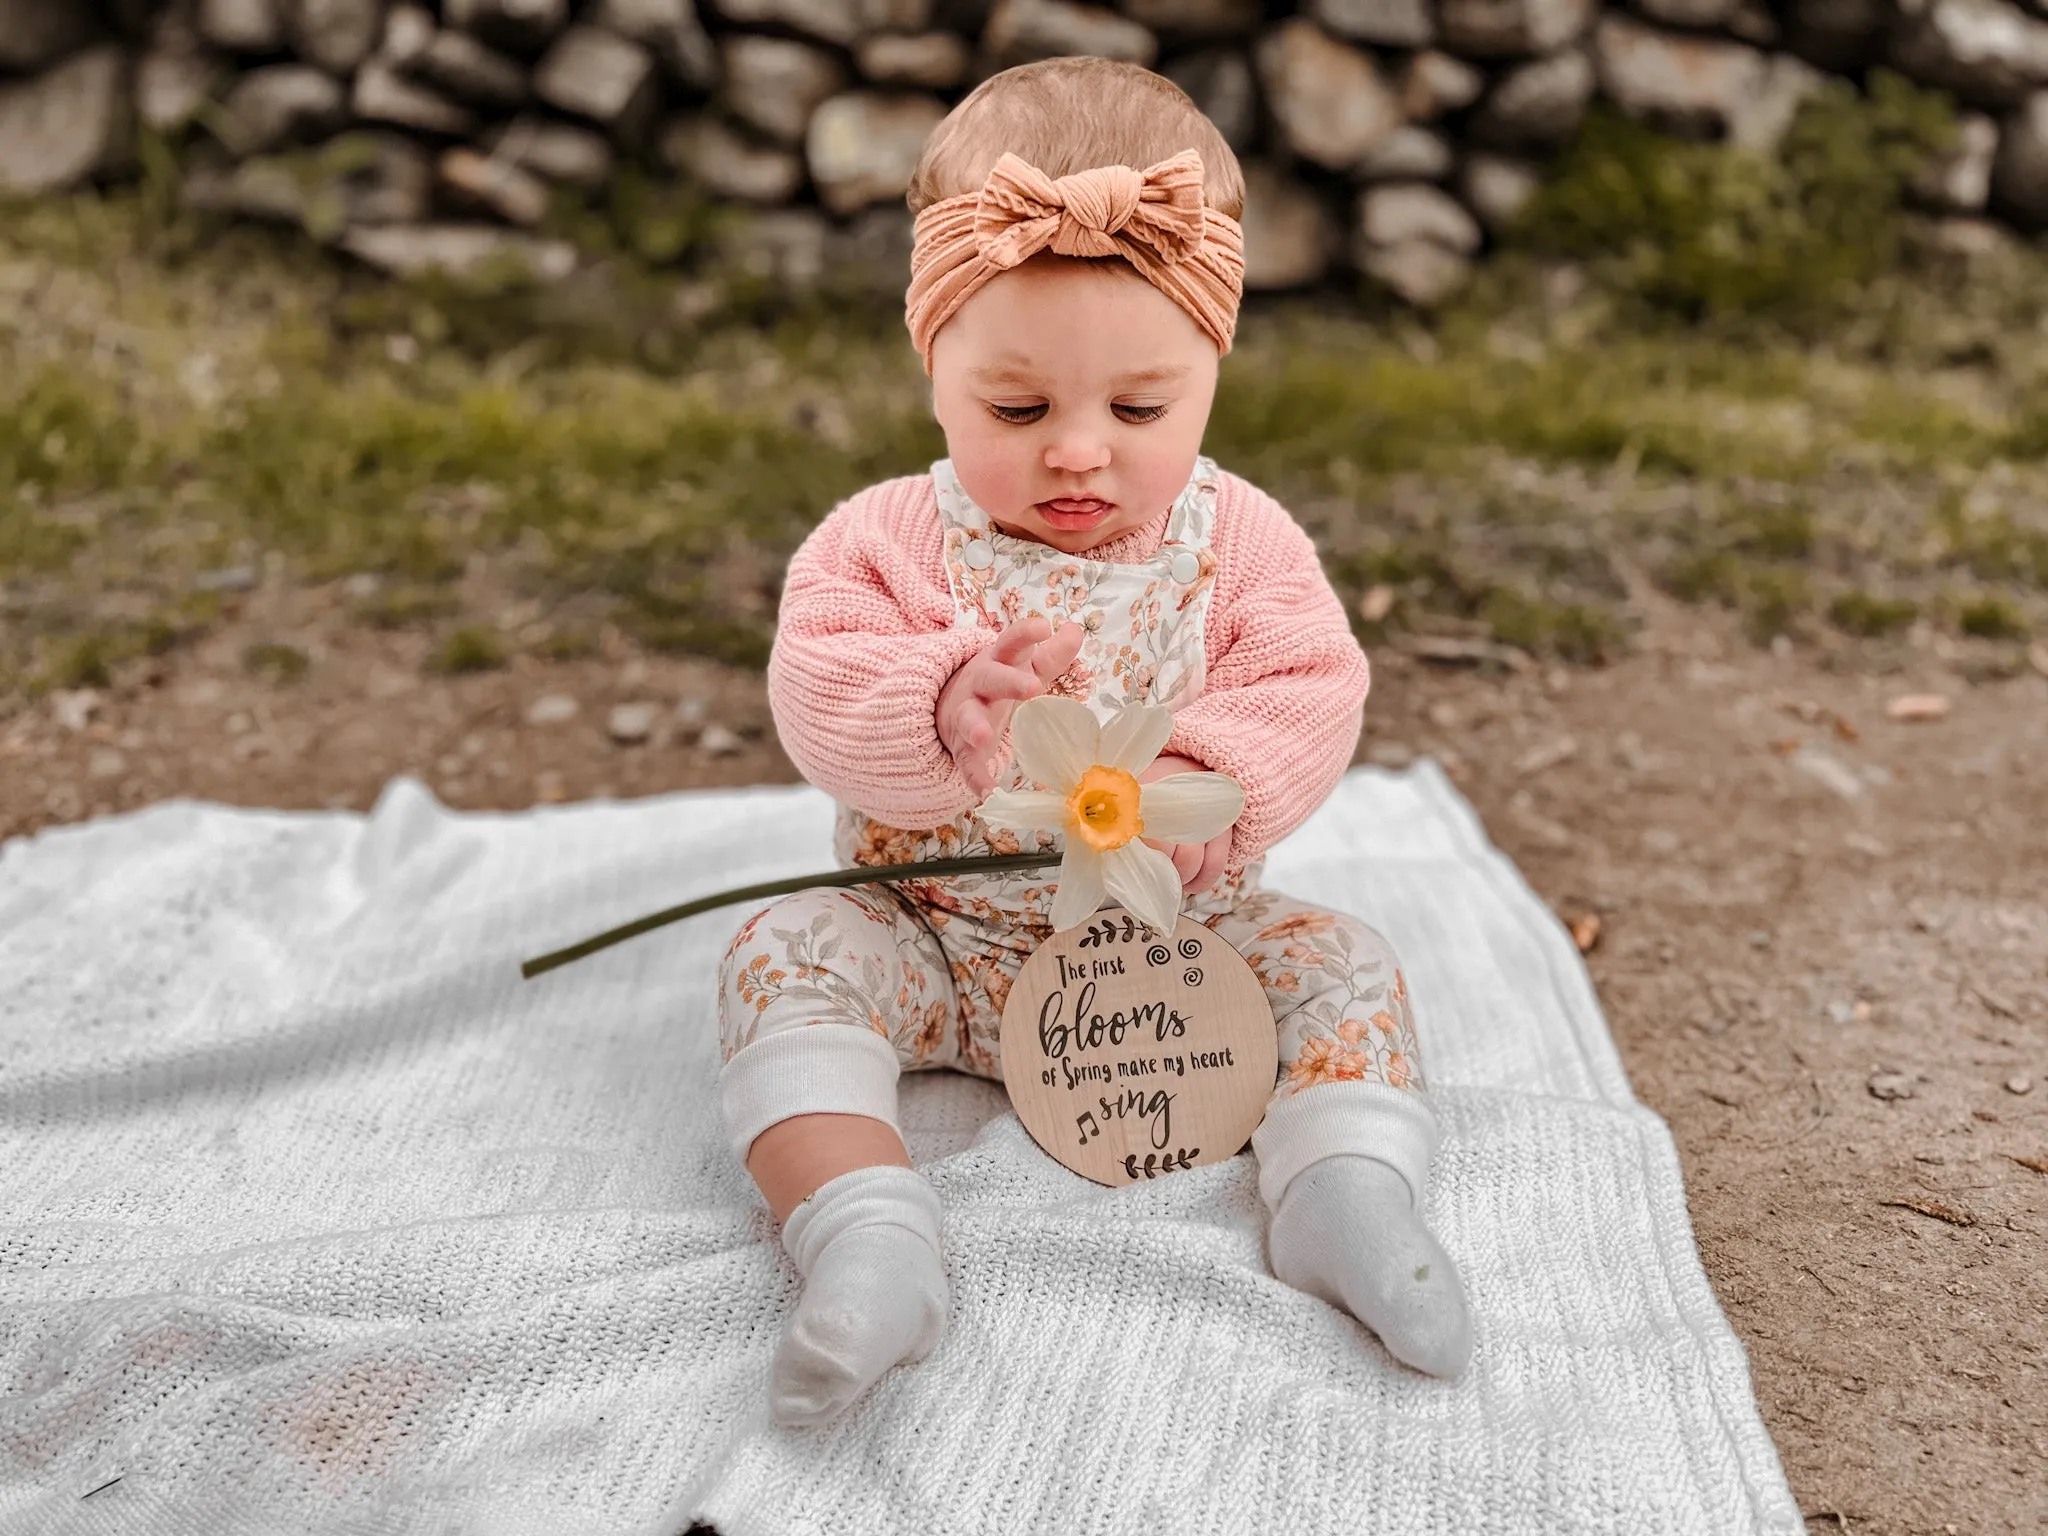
{"x": 1091, "y": 1130}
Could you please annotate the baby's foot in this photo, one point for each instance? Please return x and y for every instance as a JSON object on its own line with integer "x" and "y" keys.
{"x": 1347, "y": 1231}
{"x": 874, "y": 1294}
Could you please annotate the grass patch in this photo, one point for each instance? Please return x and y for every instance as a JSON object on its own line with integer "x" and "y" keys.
{"x": 278, "y": 663}
{"x": 1992, "y": 616}
{"x": 467, "y": 648}
{"x": 1858, "y": 612}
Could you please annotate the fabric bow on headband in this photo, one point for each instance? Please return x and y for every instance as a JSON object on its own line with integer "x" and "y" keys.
{"x": 1156, "y": 219}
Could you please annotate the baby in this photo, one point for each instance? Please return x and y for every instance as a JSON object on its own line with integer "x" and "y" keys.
{"x": 1075, "y": 279}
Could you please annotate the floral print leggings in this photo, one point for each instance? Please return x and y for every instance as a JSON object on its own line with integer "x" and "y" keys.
{"x": 932, "y": 982}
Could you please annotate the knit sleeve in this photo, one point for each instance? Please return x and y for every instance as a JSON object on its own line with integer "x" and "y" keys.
{"x": 1284, "y": 700}
{"x": 864, "y": 642}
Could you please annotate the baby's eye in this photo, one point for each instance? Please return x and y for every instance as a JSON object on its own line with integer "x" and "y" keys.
{"x": 1138, "y": 413}
{"x": 1017, "y": 415}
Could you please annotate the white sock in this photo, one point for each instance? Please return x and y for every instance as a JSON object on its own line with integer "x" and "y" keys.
{"x": 1347, "y": 1231}
{"x": 867, "y": 1244}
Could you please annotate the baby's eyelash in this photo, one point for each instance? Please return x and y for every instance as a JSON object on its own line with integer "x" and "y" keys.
{"x": 1024, "y": 415}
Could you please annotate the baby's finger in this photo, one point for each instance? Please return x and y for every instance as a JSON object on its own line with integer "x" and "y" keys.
{"x": 1057, "y": 654}
{"x": 1015, "y": 642}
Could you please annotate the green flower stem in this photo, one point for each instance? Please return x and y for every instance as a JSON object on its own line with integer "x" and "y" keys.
{"x": 859, "y": 875}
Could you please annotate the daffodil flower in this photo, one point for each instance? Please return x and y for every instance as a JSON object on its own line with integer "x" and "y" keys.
{"x": 1091, "y": 793}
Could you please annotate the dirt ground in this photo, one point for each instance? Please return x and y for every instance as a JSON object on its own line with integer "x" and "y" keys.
{"x": 1822, "y": 943}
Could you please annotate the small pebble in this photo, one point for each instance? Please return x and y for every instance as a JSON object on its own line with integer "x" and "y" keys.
{"x": 74, "y": 707}
{"x": 691, "y": 712}
{"x": 233, "y": 578}
{"x": 1761, "y": 939}
{"x": 631, "y": 724}
{"x": 1915, "y": 708}
{"x": 1890, "y": 1085}
{"x": 2019, "y": 1082}
{"x": 1848, "y": 1013}
{"x": 720, "y": 742}
{"x": 106, "y": 763}
{"x": 552, "y": 709}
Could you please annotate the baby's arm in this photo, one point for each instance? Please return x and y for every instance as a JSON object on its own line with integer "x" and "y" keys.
{"x": 1285, "y": 696}
{"x": 864, "y": 643}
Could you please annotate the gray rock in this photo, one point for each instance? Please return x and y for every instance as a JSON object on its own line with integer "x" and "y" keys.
{"x": 863, "y": 146}
{"x": 776, "y": 84}
{"x": 242, "y": 26}
{"x": 1412, "y": 154}
{"x": 1434, "y": 83}
{"x": 1494, "y": 29}
{"x": 362, "y": 178}
{"x": 383, "y": 95}
{"x": 1537, "y": 104}
{"x": 1497, "y": 188}
{"x": 277, "y": 104}
{"x": 1289, "y": 234}
{"x": 1700, "y": 86}
{"x": 833, "y": 21}
{"x": 523, "y": 27}
{"x": 670, "y": 30}
{"x": 1989, "y": 53}
{"x": 469, "y": 71}
{"x": 1404, "y": 214}
{"x": 498, "y": 186}
{"x": 2019, "y": 173}
{"x": 595, "y": 74}
{"x": 1685, "y": 85}
{"x": 1220, "y": 82}
{"x": 461, "y": 250}
{"x": 788, "y": 248}
{"x": 1688, "y": 13}
{"x": 37, "y": 33}
{"x": 631, "y": 724}
{"x": 558, "y": 152}
{"x": 1960, "y": 180}
{"x": 936, "y": 61}
{"x": 1020, "y": 31}
{"x": 1389, "y": 23}
{"x": 1333, "y": 106}
{"x": 717, "y": 741}
{"x": 553, "y": 709}
{"x": 1754, "y": 23}
{"x": 337, "y": 35}
{"x": 174, "y": 79}
{"x": 1840, "y": 35}
{"x": 1194, "y": 20}
{"x": 726, "y": 162}
{"x": 1419, "y": 272}
{"x": 409, "y": 31}
{"x": 71, "y": 122}
{"x": 872, "y": 254}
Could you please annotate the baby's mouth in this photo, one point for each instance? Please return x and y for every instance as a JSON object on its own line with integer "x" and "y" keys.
{"x": 1074, "y": 511}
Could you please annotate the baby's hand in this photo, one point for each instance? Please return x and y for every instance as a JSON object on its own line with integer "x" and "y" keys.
{"x": 978, "y": 700}
{"x": 1199, "y": 865}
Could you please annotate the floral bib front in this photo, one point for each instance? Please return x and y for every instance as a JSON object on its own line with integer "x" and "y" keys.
{"x": 1145, "y": 624}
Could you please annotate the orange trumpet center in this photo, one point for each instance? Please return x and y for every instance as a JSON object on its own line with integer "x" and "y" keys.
{"x": 1103, "y": 809}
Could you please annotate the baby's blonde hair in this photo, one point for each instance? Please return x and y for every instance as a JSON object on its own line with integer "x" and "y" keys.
{"x": 1072, "y": 114}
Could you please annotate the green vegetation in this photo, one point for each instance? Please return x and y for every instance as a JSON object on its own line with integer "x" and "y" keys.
{"x": 1756, "y": 384}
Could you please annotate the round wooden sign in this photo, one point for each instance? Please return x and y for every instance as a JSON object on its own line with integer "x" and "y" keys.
{"x": 1128, "y": 1055}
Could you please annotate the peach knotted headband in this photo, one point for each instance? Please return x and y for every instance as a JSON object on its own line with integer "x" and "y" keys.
{"x": 1156, "y": 219}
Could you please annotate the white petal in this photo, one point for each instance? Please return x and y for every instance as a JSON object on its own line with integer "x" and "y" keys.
{"x": 1024, "y": 810}
{"x": 1053, "y": 738}
{"x": 1134, "y": 736}
{"x": 1189, "y": 807}
{"x": 1144, "y": 881}
{"x": 1081, "y": 887}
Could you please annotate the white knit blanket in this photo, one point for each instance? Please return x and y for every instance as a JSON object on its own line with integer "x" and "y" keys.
{"x": 316, "y": 1218}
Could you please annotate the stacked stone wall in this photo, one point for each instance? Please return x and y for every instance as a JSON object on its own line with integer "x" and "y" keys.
{"x": 1389, "y": 137}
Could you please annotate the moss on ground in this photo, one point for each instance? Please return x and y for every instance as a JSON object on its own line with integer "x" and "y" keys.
{"x": 1824, "y": 437}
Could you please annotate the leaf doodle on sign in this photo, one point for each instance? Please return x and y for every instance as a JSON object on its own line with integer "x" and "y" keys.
{"x": 1155, "y": 1165}
{"x": 1104, "y": 931}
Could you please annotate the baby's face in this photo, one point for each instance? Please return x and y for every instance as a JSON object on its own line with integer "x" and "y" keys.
{"x": 1073, "y": 400}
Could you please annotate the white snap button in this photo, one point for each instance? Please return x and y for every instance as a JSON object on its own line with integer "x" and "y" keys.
{"x": 1185, "y": 566}
{"x": 978, "y": 554}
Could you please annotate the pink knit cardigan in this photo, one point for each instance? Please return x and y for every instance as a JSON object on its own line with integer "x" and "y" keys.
{"x": 865, "y": 642}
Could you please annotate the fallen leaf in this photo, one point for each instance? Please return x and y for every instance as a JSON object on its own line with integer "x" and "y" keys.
{"x": 1986, "y": 1116}
{"x": 1845, "y": 729}
{"x": 2038, "y": 1164}
{"x": 1785, "y": 746}
{"x": 1915, "y": 708}
{"x": 1586, "y": 931}
{"x": 1938, "y": 1212}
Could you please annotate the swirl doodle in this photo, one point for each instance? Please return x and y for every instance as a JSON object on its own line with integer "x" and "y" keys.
{"x": 1192, "y": 976}
{"x": 1189, "y": 948}
{"x": 1159, "y": 954}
